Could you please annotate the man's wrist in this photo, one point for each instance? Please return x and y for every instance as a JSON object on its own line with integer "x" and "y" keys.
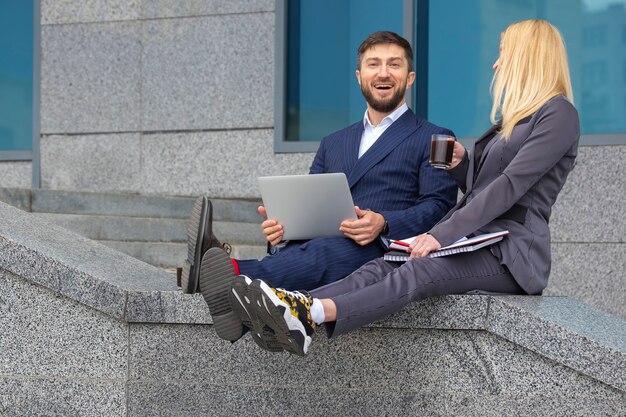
{"x": 385, "y": 231}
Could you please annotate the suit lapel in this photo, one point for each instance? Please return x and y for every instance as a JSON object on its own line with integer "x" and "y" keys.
{"x": 351, "y": 147}
{"x": 387, "y": 142}
{"x": 481, "y": 143}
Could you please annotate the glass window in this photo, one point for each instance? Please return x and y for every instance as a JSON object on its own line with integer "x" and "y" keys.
{"x": 594, "y": 74}
{"x": 462, "y": 51}
{"x": 16, "y": 75}
{"x": 594, "y": 36}
{"x": 322, "y": 93}
{"x": 457, "y": 46}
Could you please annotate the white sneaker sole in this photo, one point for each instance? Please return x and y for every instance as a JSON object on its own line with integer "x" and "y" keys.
{"x": 290, "y": 332}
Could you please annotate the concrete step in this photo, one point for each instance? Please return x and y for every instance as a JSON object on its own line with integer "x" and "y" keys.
{"x": 172, "y": 255}
{"x": 137, "y": 205}
{"x": 17, "y": 197}
{"x": 152, "y": 228}
{"x": 144, "y": 229}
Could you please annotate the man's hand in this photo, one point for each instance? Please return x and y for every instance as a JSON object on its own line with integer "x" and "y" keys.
{"x": 272, "y": 230}
{"x": 422, "y": 245}
{"x": 457, "y": 154}
{"x": 366, "y": 228}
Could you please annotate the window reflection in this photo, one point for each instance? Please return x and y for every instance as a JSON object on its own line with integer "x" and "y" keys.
{"x": 460, "y": 58}
{"x": 601, "y": 105}
{"x": 16, "y": 75}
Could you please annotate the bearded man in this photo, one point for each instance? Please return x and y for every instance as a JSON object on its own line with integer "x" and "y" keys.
{"x": 396, "y": 192}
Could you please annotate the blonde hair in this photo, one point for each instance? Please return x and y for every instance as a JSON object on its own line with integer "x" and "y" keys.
{"x": 532, "y": 69}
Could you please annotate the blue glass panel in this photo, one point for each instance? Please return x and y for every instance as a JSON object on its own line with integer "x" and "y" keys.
{"x": 16, "y": 75}
{"x": 322, "y": 40}
{"x": 463, "y": 44}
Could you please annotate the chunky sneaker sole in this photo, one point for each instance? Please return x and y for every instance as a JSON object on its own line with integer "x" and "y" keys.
{"x": 242, "y": 305}
{"x": 215, "y": 278}
{"x": 195, "y": 235}
{"x": 273, "y": 312}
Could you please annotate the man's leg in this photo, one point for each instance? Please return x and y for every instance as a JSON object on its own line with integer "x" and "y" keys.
{"x": 311, "y": 264}
{"x": 200, "y": 238}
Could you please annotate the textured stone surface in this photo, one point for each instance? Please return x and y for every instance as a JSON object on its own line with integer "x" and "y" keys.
{"x": 396, "y": 360}
{"x": 479, "y": 405}
{"x": 203, "y": 399}
{"x": 186, "y": 8}
{"x": 193, "y": 163}
{"x": 212, "y": 72}
{"x": 62, "y": 397}
{"x": 167, "y": 307}
{"x": 72, "y": 11}
{"x": 72, "y": 265}
{"x": 590, "y": 206}
{"x": 594, "y": 273}
{"x": 91, "y": 162}
{"x": 394, "y": 371}
{"x": 47, "y": 335}
{"x": 90, "y": 78}
{"x": 450, "y": 312}
{"x": 136, "y": 229}
{"x": 564, "y": 330}
{"x": 482, "y": 363}
{"x": 16, "y": 174}
{"x": 137, "y": 205}
{"x": 160, "y": 254}
{"x": 17, "y": 197}
{"x": 112, "y": 204}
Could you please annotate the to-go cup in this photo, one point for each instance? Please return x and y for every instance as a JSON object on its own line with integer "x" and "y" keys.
{"x": 441, "y": 148}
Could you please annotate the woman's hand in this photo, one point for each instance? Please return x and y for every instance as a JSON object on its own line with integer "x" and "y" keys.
{"x": 422, "y": 245}
{"x": 457, "y": 154}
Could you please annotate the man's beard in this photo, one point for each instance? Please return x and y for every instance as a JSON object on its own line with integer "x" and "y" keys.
{"x": 384, "y": 106}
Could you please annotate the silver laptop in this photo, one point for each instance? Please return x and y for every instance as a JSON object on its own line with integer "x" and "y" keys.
{"x": 308, "y": 206}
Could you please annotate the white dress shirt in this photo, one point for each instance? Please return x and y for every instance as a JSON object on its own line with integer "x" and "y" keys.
{"x": 371, "y": 133}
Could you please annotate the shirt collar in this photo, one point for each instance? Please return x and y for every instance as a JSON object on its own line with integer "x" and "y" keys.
{"x": 389, "y": 119}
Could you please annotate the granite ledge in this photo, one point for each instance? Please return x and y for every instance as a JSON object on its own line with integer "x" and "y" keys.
{"x": 560, "y": 328}
{"x": 565, "y": 330}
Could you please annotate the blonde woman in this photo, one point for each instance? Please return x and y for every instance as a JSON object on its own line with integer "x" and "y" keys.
{"x": 510, "y": 180}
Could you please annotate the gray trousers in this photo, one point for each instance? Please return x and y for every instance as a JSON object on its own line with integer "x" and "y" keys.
{"x": 379, "y": 288}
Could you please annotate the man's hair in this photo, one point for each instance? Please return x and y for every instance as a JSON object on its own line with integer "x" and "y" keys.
{"x": 385, "y": 37}
{"x": 532, "y": 69}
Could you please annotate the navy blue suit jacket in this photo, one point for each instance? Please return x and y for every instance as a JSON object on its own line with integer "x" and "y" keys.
{"x": 393, "y": 177}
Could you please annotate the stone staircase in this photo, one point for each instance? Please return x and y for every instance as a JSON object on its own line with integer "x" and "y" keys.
{"x": 151, "y": 228}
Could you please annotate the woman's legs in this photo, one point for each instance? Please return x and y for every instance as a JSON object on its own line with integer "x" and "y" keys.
{"x": 381, "y": 288}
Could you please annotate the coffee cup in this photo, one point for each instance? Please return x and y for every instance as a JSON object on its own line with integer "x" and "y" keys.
{"x": 441, "y": 150}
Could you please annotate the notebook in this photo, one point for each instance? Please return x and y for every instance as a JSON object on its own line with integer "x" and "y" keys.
{"x": 399, "y": 248}
{"x": 308, "y": 206}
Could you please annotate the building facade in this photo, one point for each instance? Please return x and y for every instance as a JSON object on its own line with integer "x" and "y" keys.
{"x": 199, "y": 96}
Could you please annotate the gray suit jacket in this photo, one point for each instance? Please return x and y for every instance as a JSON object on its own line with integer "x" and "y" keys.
{"x": 513, "y": 186}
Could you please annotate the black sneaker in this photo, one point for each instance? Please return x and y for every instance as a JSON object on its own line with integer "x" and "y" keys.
{"x": 287, "y": 313}
{"x": 215, "y": 278}
{"x": 241, "y": 304}
{"x": 200, "y": 238}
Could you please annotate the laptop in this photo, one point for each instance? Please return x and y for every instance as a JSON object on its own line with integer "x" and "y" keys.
{"x": 308, "y": 206}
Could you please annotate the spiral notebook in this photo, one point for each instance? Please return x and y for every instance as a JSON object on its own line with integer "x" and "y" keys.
{"x": 399, "y": 248}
